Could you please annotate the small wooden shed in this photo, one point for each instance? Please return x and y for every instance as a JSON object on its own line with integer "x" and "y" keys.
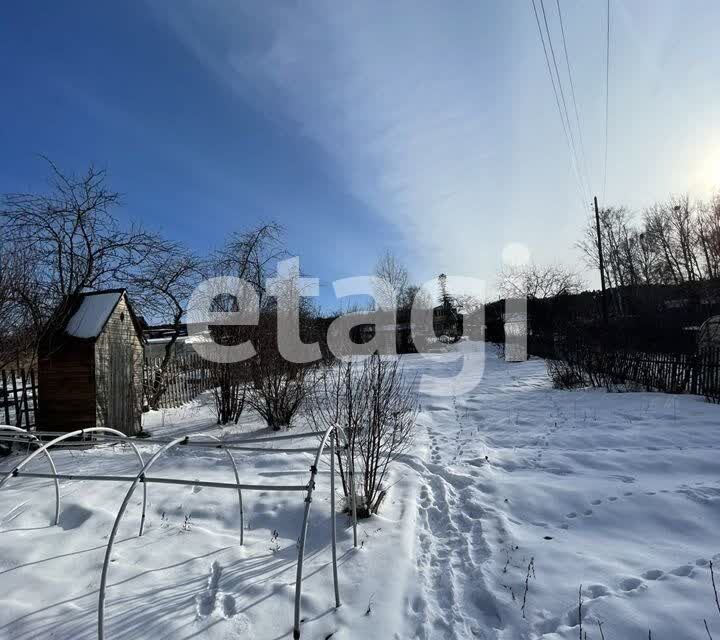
{"x": 90, "y": 365}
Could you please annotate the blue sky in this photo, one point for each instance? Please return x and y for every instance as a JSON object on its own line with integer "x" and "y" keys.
{"x": 426, "y": 128}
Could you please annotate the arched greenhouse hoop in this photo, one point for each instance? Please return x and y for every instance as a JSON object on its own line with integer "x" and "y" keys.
{"x": 328, "y": 440}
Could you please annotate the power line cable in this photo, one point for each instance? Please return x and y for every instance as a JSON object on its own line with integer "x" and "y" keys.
{"x": 607, "y": 97}
{"x": 572, "y": 90}
{"x": 564, "y": 103}
{"x": 557, "y": 99}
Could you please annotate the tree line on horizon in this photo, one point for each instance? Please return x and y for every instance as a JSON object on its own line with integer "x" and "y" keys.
{"x": 671, "y": 242}
{"x": 70, "y": 238}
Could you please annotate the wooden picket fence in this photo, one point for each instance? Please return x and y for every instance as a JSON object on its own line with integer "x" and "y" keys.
{"x": 186, "y": 377}
{"x": 706, "y": 380}
{"x": 697, "y": 373}
{"x": 18, "y": 397}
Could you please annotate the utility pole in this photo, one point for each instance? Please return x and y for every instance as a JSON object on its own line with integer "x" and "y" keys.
{"x": 602, "y": 264}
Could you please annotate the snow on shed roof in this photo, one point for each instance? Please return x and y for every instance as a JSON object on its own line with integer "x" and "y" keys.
{"x": 92, "y": 314}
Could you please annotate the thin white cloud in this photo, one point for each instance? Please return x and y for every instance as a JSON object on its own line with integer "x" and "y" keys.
{"x": 440, "y": 116}
{"x": 399, "y": 95}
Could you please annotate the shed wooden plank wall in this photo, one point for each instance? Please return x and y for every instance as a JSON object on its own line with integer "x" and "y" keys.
{"x": 119, "y": 366}
{"x": 66, "y": 376}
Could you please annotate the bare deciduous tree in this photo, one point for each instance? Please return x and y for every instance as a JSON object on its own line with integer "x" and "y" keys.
{"x": 617, "y": 233}
{"x": 538, "y": 281}
{"x": 162, "y": 287}
{"x": 675, "y": 242}
{"x": 709, "y": 235}
{"x": 71, "y": 234}
{"x": 21, "y": 313}
{"x": 69, "y": 241}
{"x": 413, "y": 295}
{"x": 248, "y": 255}
{"x": 392, "y": 281}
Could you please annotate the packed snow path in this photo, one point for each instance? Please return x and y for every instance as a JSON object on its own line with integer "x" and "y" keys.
{"x": 513, "y": 494}
{"x": 520, "y": 484}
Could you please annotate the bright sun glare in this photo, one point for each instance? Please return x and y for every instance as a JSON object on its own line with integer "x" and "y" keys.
{"x": 708, "y": 176}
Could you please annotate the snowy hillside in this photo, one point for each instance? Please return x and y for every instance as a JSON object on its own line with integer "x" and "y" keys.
{"x": 514, "y": 496}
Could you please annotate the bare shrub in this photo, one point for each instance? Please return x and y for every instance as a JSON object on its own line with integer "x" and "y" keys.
{"x": 279, "y": 388}
{"x": 229, "y": 381}
{"x": 280, "y": 384}
{"x": 377, "y": 407}
{"x": 337, "y": 399}
{"x": 388, "y": 430}
{"x": 564, "y": 374}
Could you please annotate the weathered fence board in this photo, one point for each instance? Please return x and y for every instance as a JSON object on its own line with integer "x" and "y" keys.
{"x": 186, "y": 377}
{"x": 18, "y": 397}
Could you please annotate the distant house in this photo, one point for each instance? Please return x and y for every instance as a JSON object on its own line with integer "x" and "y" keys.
{"x": 392, "y": 331}
{"x": 398, "y": 332}
{"x": 158, "y": 336}
{"x": 90, "y": 365}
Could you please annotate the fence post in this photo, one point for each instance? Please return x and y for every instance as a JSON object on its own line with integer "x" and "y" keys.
{"x": 34, "y": 389}
{"x": 6, "y": 397}
{"x": 16, "y": 404}
{"x": 24, "y": 397}
{"x": 333, "y": 517}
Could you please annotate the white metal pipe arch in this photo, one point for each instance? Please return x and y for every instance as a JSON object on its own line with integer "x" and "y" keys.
{"x": 140, "y": 478}
{"x": 44, "y": 449}
{"x": 308, "y": 488}
{"x": 331, "y": 435}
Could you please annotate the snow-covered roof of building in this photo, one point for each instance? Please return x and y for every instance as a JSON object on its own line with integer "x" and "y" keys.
{"x": 92, "y": 314}
{"x": 165, "y": 340}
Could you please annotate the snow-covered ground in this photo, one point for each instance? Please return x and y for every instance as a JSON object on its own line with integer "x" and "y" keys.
{"x": 511, "y": 484}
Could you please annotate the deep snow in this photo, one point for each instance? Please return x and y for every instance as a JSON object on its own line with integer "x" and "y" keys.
{"x": 618, "y": 492}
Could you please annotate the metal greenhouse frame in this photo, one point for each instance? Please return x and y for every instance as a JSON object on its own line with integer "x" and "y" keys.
{"x": 113, "y": 436}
